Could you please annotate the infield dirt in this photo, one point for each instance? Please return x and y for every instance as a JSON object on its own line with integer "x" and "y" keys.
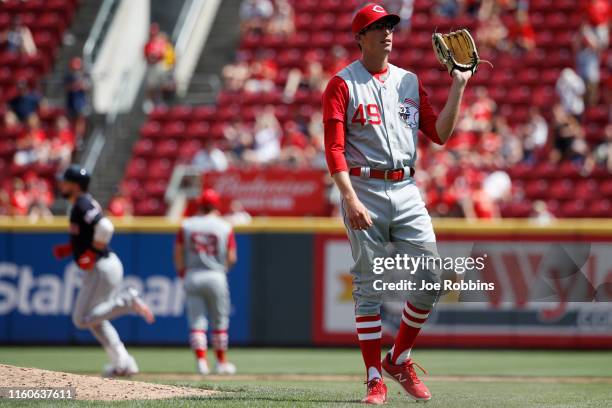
{"x": 94, "y": 388}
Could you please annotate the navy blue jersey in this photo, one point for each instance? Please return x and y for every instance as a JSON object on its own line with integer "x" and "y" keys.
{"x": 84, "y": 215}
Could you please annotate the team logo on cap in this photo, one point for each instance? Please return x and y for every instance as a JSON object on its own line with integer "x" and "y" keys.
{"x": 409, "y": 113}
{"x": 378, "y": 9}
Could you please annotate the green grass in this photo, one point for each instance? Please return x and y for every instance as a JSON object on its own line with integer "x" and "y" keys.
{"x": 466, "y": 393}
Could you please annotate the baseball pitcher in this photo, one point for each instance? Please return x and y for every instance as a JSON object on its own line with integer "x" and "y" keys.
{"x": 373, "y": 111}
{"x": 204, "y": 251}
{"x": 99, "y": 299}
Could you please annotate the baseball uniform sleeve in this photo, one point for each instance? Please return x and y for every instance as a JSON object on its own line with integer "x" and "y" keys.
{"x": 231, "y": 240}
{"x": 180, "y": 236}
{"x": 335, "y": 100}
{"x": 89, "y": 210}
{"x": 428, "y": 116}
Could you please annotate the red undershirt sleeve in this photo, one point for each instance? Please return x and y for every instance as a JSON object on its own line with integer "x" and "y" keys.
{"x": 427, "y": 116}
{"x": 231, "y": 241}
{"x": 335, "y": 100}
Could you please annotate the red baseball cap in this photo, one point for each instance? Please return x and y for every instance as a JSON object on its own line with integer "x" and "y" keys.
{"x": 369, "y": 14}
{"x": 210, "y": 198}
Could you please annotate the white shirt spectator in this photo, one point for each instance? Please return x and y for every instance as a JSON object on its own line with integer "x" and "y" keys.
{"x": 267, "y": 144}
{"x": 571, "y": 88}
{"x": 256, "y": 9}
{"x": 538, "y": 130}
{"x": 211, "y": 159}
{"x": 497, "y": 185}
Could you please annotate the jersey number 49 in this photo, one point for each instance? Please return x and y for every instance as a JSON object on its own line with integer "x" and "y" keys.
{"x": 371, "y": 115}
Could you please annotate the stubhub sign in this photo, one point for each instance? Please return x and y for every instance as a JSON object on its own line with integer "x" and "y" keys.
{"x": 37, "y": 292}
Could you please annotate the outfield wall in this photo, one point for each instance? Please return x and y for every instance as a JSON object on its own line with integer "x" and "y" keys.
{"x": 291, "y": 285}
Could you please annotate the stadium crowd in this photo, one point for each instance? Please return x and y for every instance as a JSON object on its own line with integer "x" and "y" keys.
{"x": 468, "y": 177}
{"x": 40, "y": 140}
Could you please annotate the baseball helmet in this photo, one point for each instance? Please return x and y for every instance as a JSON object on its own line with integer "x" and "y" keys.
{"x": 76, "y": 174}
{"x": 370, "y": 14}
{"x": 210, "y": 198}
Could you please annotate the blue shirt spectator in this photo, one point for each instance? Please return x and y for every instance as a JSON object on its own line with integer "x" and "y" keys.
{"x": 25, "y": 103}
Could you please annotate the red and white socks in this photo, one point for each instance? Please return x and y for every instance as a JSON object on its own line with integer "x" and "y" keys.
{"x": 198, "y": 341}
{"x": 219, "y": 341}
{"x": 369, "y": 332}
{"x": 410, "y": 326}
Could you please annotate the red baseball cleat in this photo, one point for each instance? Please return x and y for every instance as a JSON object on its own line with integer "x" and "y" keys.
{"x": 377, "y": 392}
{"x": 405, "y": 375}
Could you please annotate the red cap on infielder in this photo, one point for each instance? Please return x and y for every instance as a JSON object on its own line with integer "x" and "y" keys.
{"x": 210, "y": 198}
{"x": 369, "y": 14}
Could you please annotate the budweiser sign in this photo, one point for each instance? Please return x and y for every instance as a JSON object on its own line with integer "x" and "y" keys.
{"x": 271, "y": 191}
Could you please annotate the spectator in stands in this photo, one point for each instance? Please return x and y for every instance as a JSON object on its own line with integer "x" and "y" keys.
{"x": 26, "y": 102}
{"x": 339, "y": 60}
{"x": 313, "y": 78}
{"x": 266, "y": 147}
{"x": 210, "y": 158}
{"x": 237, "y": 214}
{"x": 535, "y": 134}
{"x": 18, "y": 39}
{"x": 491, "y": 34}
{"x": 482, "y": 110}
{"x": 449, "y": 8}
{"x": 32, "y": 145}
{"x": 63, "y": 144}
{"x": 478, "y": 201}
{"x": 11, "y": 121}
{"x": 316, "y": 152}
{"x": 571, "y": 89}
{"x": 591, "y": 41}
{"x": 77, "y": 85}
{"x": 20, "y": 199}
{"x": 441, "y": 195}
{"x": 568, "y": 143}
{"x": 541, "y": 214}
{"x": 521, "y": 34}
{"x": 282, "y": 21}
{"x": 238, "y": 138}
{"x": 404, "y": 9}
{"x": 235, "y": 76}
{"x": 603, "y": 152}
{"x": 293, "y": 145}
{"x": 121, "y": 205}
{"x": 160, "y": 58}
{"x": 41, "y": 196}
{"x": 262, "y": 75}
{"x": 255, "y": 16}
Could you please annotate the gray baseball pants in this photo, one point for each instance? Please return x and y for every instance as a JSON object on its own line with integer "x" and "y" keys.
{"x": 399, "y": 216}
{"x": 207, "y": 294}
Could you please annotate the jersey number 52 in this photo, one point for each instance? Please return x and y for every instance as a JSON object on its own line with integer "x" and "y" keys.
{"x": 204, "y": 243}
{"x": 371, "y": 115}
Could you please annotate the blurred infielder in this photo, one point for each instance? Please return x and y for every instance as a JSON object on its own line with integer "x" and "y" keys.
{"x": 373, "y": 111}
{"x": 99, "y": 299}
{"x": 204, "y": 251}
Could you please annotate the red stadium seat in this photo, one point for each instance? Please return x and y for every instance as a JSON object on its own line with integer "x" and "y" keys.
{"x": 573, "y": 209}
{"x": 143, "y": 148}
{"x": 600, "y": 209}
{"x": 151, "y": 130}
{"x": 136, "y": 169}
{"x": 167, "y": 149}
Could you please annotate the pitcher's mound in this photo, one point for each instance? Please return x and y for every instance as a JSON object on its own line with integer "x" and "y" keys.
{"x": 94, "y": 388}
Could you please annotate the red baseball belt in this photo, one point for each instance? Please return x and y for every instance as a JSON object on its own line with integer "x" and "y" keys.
{"x": 391, "y": 175}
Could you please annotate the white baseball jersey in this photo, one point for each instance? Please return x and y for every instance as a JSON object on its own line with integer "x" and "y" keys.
{"x": 206, "y": 241}
{"x": 382, "y": 119}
